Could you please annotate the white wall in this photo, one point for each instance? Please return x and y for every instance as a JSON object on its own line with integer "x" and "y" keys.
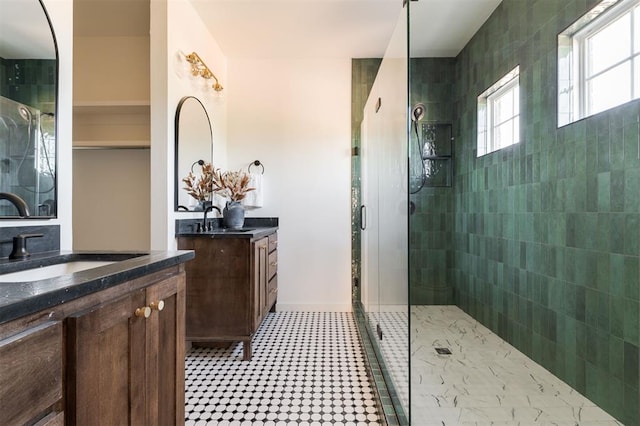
{"x": 294, "y": 116}
{"x": 61, "y": 15}
{"x": 176, "y": 30}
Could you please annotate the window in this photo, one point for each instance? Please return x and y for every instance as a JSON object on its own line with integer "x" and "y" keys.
{"x": 599, "y": 60}
{"x": 499, "y": 114}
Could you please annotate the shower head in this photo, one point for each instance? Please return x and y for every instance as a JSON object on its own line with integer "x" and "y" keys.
{"x": 417, "y": 113}
{"x": 24, "y": 113}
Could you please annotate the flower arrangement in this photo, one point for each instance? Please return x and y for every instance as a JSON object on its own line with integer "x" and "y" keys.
{"x": 200, "y": 187}
{"x": 232, "y": 185}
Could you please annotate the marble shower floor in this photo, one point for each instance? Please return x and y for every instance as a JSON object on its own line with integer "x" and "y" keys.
{"x": 485, "y": 381}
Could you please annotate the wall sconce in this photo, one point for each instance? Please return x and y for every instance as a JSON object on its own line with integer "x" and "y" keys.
{"x": 199, "y": 68}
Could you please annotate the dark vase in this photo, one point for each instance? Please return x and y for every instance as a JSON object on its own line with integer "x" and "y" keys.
{"x": 233, "y": 215}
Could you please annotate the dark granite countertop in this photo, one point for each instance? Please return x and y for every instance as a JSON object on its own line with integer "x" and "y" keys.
{"x": 18, "y": 299}
{"x": 254, "y": 228}
{"x": 252, "y": 233}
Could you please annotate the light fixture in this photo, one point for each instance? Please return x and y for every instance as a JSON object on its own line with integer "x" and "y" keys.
{"x": 199, "y": 68}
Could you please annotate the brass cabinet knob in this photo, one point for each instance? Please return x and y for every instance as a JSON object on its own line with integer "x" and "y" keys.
{"x": 274, "y": 263}
{"x": 157, "y": 306}
{"x": 143, "y": 312}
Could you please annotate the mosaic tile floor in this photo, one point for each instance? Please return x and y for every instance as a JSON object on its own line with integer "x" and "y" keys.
{"x": 307, "y": 368}
{"x": 485, "y": 381}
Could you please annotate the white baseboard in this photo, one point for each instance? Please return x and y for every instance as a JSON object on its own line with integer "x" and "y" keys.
{"x": 293, "y": 307}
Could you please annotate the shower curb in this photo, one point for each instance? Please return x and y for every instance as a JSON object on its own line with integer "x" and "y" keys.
{"x": 383, "y": 387}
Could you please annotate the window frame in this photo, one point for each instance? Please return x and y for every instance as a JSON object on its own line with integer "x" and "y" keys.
{"x": 574, "y": 101}
{"x": 509, "y": 84}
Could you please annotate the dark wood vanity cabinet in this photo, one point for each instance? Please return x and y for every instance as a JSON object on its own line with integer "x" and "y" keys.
{"x": 113, "y": 357}
{"x": 231, "y": 286}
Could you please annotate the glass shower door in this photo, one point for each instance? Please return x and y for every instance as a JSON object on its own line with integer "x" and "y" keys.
{"x": 385, "y": 197}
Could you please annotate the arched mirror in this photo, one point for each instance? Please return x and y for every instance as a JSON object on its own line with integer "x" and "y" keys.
{"x": 194, "y": 146}
{"x": 28, "y": 107}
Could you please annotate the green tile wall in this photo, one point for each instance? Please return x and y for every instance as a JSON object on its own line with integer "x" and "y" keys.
{"x": 18, "y": 79}
{"x": 431, "y": 225}
{"x": 546, "y": 233}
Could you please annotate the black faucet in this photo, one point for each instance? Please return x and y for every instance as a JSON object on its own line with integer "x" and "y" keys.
{"x": 206, "y": 228}
{"x": 20, "y": 204}
{"x": 20, "y": 246}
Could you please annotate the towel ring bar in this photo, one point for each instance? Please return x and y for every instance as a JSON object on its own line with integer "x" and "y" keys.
{"x": 256, "y": 163}
{"x": 198, "y": 162}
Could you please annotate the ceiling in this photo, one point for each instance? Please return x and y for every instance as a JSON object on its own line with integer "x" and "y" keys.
{"x": 299, "y": 28}
{"x": 339, "y": 28}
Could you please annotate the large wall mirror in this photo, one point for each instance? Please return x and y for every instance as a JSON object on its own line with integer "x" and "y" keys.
{"x": 194, "y": 146}
{"x": 28, "y": 107}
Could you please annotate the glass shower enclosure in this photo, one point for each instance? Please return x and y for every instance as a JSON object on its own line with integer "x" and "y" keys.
{"x": 536, "y": 245}
{"x": 383, "y": 217}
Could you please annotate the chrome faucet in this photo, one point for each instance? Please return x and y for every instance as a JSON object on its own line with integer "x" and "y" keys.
{"x": 20, "y": 204}
{"x": 206, "y": 228}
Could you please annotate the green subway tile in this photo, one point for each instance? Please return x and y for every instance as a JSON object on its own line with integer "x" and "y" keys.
{"x": 611, "y": 390}
{"x": 632, "y": 190}
{"x": 617, "y": 148}
{"x": 604, "y": 192}
{"x": 631, "y": 146}
{"x": 631, "y": 406}
{"x": 591, "y": 307}
{"x": 616, "y": 320}
{"x": 617, "y": 274}
{"x": 631, "y": 321}
{"x": 591, "y": 377}
{"x": 604, "y": 271}
{"x": 617, "y": 190}
{"x": 617, "y": 237}
{"x": 631, "y": 276}
{"x": 604, "y": 317}
{"x": 631, "y": 365}
{"x": 631, "y": 228}
{"x": 616, "y": 357}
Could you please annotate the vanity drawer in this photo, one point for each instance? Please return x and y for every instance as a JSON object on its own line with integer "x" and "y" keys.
{"x": 273, "y": 242}
{"x": 272, "y": 290}
{"x": 31, "y": 380}
{"x": 273, "y": 264}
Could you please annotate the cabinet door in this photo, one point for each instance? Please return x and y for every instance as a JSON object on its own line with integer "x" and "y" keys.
{"x": 260, "y": 270}
{"x": 166, "y": 351}
{"x": 106, "y": 364}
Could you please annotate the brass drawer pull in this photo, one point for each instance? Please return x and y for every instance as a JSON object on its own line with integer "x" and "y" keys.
{"x": 143, "y": 312}
{"x": 157, "y": 306}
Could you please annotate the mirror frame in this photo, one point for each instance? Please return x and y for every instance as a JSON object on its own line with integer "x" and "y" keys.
{"x": 56, "y": 123}
{"x": 177, "y": 178}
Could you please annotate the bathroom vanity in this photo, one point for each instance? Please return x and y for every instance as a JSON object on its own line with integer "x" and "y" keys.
{"x": 231, "y": 285}
{"x": 104, "y": 345}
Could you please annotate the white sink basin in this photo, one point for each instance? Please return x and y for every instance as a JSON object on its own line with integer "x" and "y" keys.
{"x": 52, "y": 271}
